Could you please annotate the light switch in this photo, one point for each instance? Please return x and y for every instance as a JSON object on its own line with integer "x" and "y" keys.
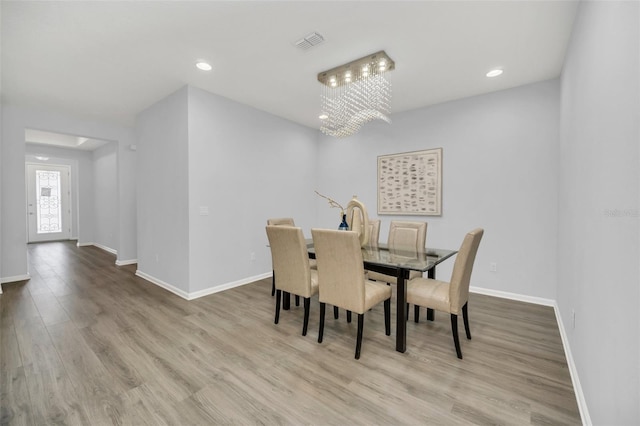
{"x": 204, "y": 211}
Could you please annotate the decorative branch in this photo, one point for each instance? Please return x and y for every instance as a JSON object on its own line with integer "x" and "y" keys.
{"x": 332, "y": 202}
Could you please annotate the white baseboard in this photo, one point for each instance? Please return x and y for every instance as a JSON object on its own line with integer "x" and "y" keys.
{"x": 110, "y": 250}
{"x": 513, "y": 296}
{"x": 227, "y": 286}
{"x": 105, "y": 248}
{"x": 165, "y": 285}
{"x": 577, "y": 388}
{"x": 200, "y": 293}
{"x": 100, "y": 246}
{"x": 573, "y": 370}
{"x": 15, "y": 278}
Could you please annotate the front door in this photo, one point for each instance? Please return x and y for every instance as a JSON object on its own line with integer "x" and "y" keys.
{"x": 48, "y": 202}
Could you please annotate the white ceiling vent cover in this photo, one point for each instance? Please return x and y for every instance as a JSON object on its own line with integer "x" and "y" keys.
{"x": 309, "y": 41}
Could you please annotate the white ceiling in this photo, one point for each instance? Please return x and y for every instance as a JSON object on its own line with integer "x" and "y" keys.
{"x": 111, "y": 60}
{"x": 66, "y": 141}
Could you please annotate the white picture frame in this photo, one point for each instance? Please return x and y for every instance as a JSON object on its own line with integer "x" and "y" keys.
{"x": 410, "y": 183}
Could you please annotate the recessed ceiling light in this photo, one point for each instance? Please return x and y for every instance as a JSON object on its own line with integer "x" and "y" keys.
{"x": 494, "y": 73}
{"x": 323, "y": 116}
{"x": 41, "y": 158}
{"x": 204, "y": 66}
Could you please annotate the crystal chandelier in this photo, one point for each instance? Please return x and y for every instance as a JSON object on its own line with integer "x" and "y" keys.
{"x": 354, "y": 94}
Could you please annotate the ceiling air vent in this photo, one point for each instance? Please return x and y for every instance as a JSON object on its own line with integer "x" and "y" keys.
{"x": 309, "y": 41}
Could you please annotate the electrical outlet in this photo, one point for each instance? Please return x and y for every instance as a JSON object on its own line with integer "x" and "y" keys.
{"x": 493, "y": 267}
{"x": 253, "y": 256}
{"x": 157, "y": 258}
{"x": 573, "y": 319}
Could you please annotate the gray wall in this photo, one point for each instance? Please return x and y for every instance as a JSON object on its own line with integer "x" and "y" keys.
{"x": 245, "y": 165}
{"x": 500, "y": 166}
{"x": 202, "y": 151}
{"x": 14, "y": 236}
{"x": 599, "y": 188}
{"x": 105, "y": 169}
{"x": 163, "y": 191}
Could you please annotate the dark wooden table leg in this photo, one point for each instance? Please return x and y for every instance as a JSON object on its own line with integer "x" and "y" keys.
{"x": 431, "y": 273}
{"x": 401, "y": 312}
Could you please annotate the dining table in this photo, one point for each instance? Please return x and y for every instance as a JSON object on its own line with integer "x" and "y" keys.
{"x": 398, "y": 262}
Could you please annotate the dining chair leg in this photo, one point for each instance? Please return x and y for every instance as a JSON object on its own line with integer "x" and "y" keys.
{"x": 321, "y": 329}
{"x": 387, "y": 317}
{"x": 335, "y": 312}
{"x": 430, "y": 315}
{"x": 454, "y": 330}
{"x": 297, "y": 300}
{"x": 465, "y": 317}
{"x": 278, "y": 297}
{"x": 273, "y": 283}
{"x": 348, "y": 316}
{"x": 359, "y": 338}
{"x": 305, "y": 324}
{"x": 286, "y": 300}
{"x": 416, "y": 313}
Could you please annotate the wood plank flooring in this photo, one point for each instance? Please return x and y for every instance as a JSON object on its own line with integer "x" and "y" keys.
{"x": 85, "y": 342}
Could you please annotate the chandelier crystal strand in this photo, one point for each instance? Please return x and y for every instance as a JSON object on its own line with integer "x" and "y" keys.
{"x": 355, "y": 94}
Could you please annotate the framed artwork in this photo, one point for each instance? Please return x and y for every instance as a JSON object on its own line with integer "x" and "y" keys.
{"x": 410, "y": 183}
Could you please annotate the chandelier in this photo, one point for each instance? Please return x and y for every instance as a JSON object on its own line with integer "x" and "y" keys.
{"x": 354, "y": 94}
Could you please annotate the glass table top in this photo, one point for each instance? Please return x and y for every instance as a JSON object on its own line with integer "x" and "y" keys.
{"x": 399, "y": 258}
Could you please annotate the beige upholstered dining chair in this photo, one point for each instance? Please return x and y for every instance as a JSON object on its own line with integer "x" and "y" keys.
{"x": 374, "y": 236}
{"x": 358, "y": 220}
{"x": 291, "y": 266}
{"x": 405, "y": 236}
{"x": 450, "y": 297}
{"x": 374, "y": 233}
{"x": 279, "y": 221}
{"x": 341, "y": 280}
{"x": 285, "y": 221}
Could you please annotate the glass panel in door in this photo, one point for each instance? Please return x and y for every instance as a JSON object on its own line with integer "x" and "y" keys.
{"x": 48, "y": 202}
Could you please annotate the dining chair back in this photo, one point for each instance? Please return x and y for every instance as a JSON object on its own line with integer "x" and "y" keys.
{"x": 291, "y": 267}
{"x": 284, "y": 221}
{"x": 407, "y": 237}
{"x": 281, "y": 221}
{"x": 374, "y": 233}
{"x": 358, "y": 220}
{"x": 451, "y": 297}
{"x": 462, "y": 268}
{"x": 342, "y": 282}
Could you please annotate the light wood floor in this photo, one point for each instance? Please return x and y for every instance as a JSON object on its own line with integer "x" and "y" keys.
{"x": 86, "y": 342}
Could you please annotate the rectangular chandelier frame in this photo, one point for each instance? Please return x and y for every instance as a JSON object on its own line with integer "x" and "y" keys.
{"x": 376, "y": 63}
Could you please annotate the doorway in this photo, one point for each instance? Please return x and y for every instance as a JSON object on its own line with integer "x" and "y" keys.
{"x": 48, "y": 202}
